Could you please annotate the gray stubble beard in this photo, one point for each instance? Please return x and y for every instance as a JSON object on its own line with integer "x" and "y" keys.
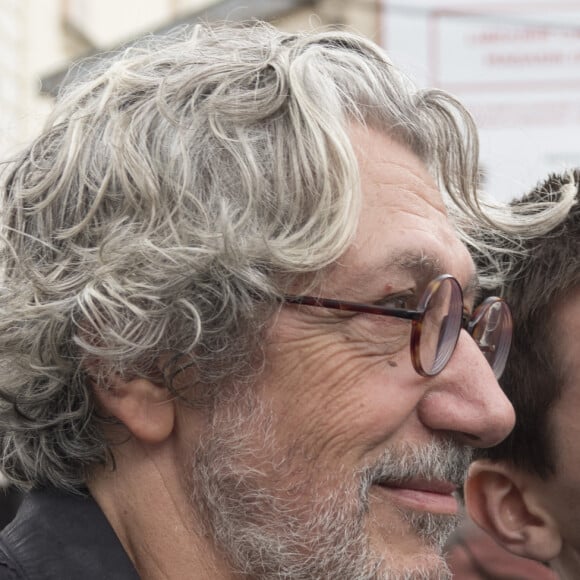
{"x": 271, "y": 520}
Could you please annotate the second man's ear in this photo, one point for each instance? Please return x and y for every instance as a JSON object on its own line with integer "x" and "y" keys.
{"x": 504, "y": 502}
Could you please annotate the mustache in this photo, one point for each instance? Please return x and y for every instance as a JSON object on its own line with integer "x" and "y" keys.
{"x": 437, "y": 460}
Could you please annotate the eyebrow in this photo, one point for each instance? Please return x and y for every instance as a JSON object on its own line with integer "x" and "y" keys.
{"x": 422, "y": 267}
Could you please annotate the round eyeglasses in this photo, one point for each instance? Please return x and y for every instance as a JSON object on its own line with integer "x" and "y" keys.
{"x": 437, "y": 322}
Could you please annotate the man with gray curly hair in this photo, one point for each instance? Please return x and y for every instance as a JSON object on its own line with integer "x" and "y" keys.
{"x": 231, "y": 317}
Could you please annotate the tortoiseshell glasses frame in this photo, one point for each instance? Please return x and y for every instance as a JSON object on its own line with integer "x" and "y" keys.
{"x": 437, "y": 322}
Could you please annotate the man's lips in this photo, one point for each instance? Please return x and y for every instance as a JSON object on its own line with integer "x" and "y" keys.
{"x": 423, "y": 495}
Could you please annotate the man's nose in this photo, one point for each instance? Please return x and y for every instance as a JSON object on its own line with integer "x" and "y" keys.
{"x": 466, "y": 400}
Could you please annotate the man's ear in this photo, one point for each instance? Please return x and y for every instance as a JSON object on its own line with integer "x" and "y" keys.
{"x": 146, "y": 409}
{"x": 507, "y": 504}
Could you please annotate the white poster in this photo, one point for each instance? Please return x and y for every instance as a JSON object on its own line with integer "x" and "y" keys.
{"x": 514, "y": 64}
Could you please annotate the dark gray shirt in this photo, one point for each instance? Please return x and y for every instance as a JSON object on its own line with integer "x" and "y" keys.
{"x": 60, "y": 536}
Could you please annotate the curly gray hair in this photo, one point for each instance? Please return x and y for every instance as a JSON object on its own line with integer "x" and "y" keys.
{"x": 173, "y": 196}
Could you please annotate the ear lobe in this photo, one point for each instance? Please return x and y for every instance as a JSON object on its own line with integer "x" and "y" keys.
{"x": 146, "y": 409}
{"x": 502, "y": 501}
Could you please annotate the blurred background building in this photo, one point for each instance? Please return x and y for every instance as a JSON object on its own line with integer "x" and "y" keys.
{"x": 515, "y": 64}
{"x": 40, "y": 39}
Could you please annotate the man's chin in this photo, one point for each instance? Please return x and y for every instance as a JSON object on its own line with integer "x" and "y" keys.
{"x": 409, "y": 542}
{"x": 417, "y": 567}
{"x": 413, "y": 558}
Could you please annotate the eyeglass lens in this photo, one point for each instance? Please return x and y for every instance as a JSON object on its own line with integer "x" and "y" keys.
{"x": 491, "y": 329}
{"x": 438, "y": 332}
{"x": 441, "y": 325}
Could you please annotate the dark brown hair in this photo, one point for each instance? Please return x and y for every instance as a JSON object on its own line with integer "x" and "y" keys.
{"x": 537, "y": 281}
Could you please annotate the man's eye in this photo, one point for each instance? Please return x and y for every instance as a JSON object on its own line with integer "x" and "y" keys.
{"x": 400, "y": 302}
